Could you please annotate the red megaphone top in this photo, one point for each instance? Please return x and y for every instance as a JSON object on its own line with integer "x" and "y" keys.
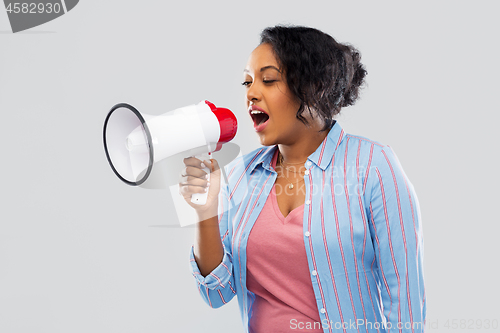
{"x": 227, "y": 122}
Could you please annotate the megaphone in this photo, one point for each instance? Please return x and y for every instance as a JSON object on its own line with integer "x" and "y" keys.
{"x": 135, "y": 142}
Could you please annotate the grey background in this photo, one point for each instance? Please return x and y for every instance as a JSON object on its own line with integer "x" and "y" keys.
{"x": 82, "y": 252}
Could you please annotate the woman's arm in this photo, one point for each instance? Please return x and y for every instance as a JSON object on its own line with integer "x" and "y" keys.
{"x": 208, "y": 250}
{"x": 211, "y": 261}
{"x": 395, "y": 224}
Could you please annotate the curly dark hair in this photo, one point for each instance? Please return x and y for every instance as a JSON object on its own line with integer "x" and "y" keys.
{"x": 324, "y": 74}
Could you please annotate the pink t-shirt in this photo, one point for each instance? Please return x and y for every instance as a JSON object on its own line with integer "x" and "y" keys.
{"x": 278, "y": 272}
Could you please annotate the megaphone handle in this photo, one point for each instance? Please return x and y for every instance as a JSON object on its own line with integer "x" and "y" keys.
{"x": 201, "y": 198}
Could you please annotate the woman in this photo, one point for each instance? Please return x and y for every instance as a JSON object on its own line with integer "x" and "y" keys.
{"x": 318, "y": 230}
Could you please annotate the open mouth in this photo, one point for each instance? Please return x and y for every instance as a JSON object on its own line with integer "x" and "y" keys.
{"x": 259, "y": 117}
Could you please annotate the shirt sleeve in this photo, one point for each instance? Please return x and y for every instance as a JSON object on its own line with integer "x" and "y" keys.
{"x": 216, "y": 288}
{"x": 395, "y": 226}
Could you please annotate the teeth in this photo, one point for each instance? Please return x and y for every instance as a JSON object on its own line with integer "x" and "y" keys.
{"x": 256, "y": 112}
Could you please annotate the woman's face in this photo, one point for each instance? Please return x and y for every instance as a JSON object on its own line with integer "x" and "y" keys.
{"x": 270, "y": 103}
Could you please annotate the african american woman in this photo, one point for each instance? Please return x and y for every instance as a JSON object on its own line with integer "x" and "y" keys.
{"x": 318, "y": 230}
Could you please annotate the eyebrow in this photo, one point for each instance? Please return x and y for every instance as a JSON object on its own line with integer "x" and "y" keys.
{"x": 264, "y": 68}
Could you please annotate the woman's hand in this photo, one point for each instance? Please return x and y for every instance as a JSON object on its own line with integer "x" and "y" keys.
{"x": 194, "y": 180}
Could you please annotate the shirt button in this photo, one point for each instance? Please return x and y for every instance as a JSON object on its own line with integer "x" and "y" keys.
{"x": 307, "y": 233}
{"x": 308, "y": 202}
{"x": 314, "y": 273}
{"x": 322, "y": 310}
{"x": 306, "y": 172}
{"x": 308, "y": 163}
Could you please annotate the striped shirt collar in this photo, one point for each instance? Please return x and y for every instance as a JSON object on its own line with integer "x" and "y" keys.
{"x": 321, "y": 157}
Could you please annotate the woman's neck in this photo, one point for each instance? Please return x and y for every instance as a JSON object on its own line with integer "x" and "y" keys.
{"x": 299, "y": 151}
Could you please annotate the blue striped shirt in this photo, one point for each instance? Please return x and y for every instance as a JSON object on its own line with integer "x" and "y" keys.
{"x": 361, "y": 230}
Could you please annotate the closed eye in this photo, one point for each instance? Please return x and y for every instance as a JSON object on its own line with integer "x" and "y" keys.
{"x": 246, "y": 83}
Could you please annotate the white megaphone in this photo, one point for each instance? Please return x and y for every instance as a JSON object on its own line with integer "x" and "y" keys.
{"x": 134, "y": 142}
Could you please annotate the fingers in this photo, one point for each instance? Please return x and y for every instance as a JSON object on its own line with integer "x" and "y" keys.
{"x": 194, "y": 166}
{"x": 194, "y": 172}
{"x": 187, "y": 190}
{"x": 193, "y": 184}
{"x": 193, "y": 178}
{"x": 193, "y": 161}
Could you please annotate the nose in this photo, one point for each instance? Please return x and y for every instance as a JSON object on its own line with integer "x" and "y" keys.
{"x": 253, "y": 93}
